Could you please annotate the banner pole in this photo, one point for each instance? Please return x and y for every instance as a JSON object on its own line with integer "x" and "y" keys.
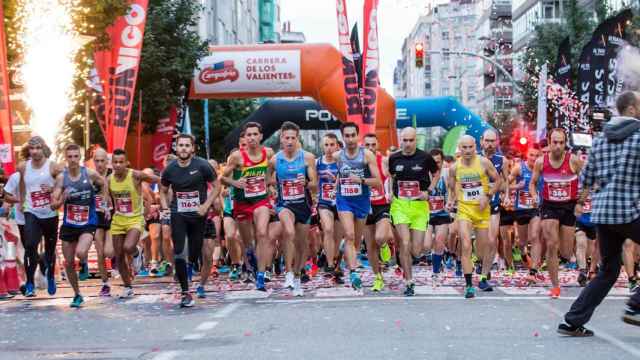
{"x": 87, "y": 134}
{"x": 205, "y": 104}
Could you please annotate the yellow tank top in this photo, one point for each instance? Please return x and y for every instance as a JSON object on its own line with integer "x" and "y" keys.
{"x": 471, "y": 182}
{"x": 127, "y": 201}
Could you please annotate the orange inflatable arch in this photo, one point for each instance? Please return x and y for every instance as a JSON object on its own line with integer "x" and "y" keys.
{"x": 285, "y": 70}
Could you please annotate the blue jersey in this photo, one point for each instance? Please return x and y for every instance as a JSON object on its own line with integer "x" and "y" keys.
{"x": 292, "y": 178}
{"x": 498, "y": 163}
{"x": 327, "y": 175}
{"x": 80, "y": 205}
{"x": 438, "y": 198}
{"x": 524, "y": 200}
{"x": 348, "y": 190}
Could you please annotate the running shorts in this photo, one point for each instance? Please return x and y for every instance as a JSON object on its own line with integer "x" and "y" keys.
{"x": 588, "y": 229}
{"x": 360, "y": 210}
{"x": 563, "y": 212}
{"x": 302, "y": 216}
{"x": 71, "y": 234}
{"x": 415, "y": 213}
{"x": 440, "y": 220}
{"x": 243, "y": 211}
{"x": 524, "y": 217}
{"x": 102, "y": 222}
{"x": 507, "y": 217}
{"x": 471, "y": 213}
{"x": 209, "y": 229}
{"x": 378, "y": 212}
{"x": 331, "y": 208}
{"x": 495, "y": 208}
{"x": 120, "y": 225}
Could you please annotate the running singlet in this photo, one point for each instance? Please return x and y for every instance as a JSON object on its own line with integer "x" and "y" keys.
{"x": 411, "y": 173}
{"x": 438, "y": 196}
{"x": 38, "y": 201}
{"x": 559, "y": 185}
{"x": 292, "y": 179}
{"x": 471, "y": 182}
{"x": 379, "y": 195}
{"x": 524, "y": 200}
{"x": 127, "y": 201}
{"x": 189, "y": 185}
{"x": 351, "y": 190}
{"x": 255, "y": 175}
{"x": 327, "y": 174}
{"x": 498, "y": 162}
{"x": 80, "y": 205}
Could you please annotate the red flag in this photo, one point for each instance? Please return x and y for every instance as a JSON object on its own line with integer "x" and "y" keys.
{"x": 370, "y": 66}
{"x": 118, "y": 69}
{"x": 350, "y": 76}
{"x": 6, "y": 134}
{"x": 163, "y": 137}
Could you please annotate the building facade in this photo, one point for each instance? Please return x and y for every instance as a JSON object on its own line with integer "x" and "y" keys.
{"x": 226, "y": 22}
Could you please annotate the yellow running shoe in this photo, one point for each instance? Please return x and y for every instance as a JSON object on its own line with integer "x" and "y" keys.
{"x": 385, "y": 253}
{"x": 378, "y": 283}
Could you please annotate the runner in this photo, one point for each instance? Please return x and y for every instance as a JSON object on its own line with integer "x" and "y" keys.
{"x": 586, "y": 237}
{"x": 439, "y": 218}
{"x": 104, "y": 206}
{"x": 378, "y": 230}
{"x": 486, "y": 250}
{"x": 127, "y": 223}
{"x": 37, "y": 177}
{"x": 410, "y": 170}
{"x": 558, "y": 171}
{"x": 469, "y": 186}
{"x": 357, "y": 171}
{"x": 211, "y": 242}
{"x": 327, "y": 170}
{"x": 168, "y": 264}
{"x": 251, "y": 203}
{"x": 74, "y": 189}
{"x": 295, "y": 174}
{"x": 187, "y": 177}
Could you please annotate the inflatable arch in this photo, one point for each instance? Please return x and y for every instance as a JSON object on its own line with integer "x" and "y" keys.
{"x": 285, "y": 70}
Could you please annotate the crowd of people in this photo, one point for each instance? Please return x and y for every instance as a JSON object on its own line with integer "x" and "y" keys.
{"x": 263, "y": 212}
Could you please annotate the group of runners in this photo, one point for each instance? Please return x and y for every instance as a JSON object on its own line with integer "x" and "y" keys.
{"x": 260, "y": 206}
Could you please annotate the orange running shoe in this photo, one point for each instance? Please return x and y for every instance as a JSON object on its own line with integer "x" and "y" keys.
{"x": 554, "y": 293}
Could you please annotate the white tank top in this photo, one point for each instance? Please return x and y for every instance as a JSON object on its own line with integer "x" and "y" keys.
{"x": 38, "y": 202}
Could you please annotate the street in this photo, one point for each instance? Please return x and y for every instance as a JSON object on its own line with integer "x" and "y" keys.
{"x": 328, "y": 323}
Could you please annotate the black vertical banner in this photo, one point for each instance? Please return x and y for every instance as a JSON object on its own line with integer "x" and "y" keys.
{"x": 585, "y": 86}
{"x": 616, "y": 36}
{"x": 357, "y": 54}
{"x": 563, "y": 75}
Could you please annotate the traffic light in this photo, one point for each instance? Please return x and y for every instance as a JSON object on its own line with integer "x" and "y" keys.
{"x": 523, "y": 141}
{"x": 419, "y": 55}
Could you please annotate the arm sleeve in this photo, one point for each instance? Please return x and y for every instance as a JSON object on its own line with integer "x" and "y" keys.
{"x": 164, "y": 177}
{"x": 12, "y": 184}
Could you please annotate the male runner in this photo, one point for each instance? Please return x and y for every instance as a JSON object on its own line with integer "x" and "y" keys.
{"x": 558, "y": 171}
{"x": 439, "y": 218}
{"x": 211, "y": 241}
{"x": 74, "y": 190}
{"x": 187, "y": 177}
{"x": 104, "y": 206}
{"x": 410, "y": 170}
{"x": 357, "y": 171}
{"x": 469, "y": 185}
{"x": 127, "y": 224}
{"x": 378, "y": 230}
{"x": 251, "y": 204}
{"x": 295, "y": 174}
{"x": 327, "y": 170}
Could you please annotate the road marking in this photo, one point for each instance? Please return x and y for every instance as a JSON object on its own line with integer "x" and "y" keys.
{"x": 246, "y": 295}
{"x": 196, "y": 336}
{"x": 167, "y": 355}
{"x": 523, "y": 291}
{"x": 420, "y": 298}
{"x": 438, "y": 290}
{"x": 226, "y": 311}
{"x": 336, "y": 292}
{"x": 206, "y": 326}
{"x": 599, "y": 333}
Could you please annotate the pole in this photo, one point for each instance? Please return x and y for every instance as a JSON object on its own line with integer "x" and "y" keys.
{"x": 138, "y": 161}
{"x": 87, "y": 130}
{"x": 205, "y": 104}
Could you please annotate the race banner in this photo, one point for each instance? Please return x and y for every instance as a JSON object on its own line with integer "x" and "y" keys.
{"x": 97, "y": 99}
{"x": 563, "y": 75}
{"x": 349, "y": 73}
{"x": 118, "y": 68}
{"x": 616, "y": 36}
{"x": 263, "y": 71}
{"x": 357, "y": 54}
{"x": 585, "y": 85}
{"x": 541, "y": 127}
{"x": 7, "y": 161}
{"x": 370, "y": 66}
{"x": 163, "y": 137}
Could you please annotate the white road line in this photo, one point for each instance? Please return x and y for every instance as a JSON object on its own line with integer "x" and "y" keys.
{"x": 206, "y": 326}
{"x": 420, "y": 298}
{"x": 599, "y": 333}
{"x": 167, "y": 355}
{"x": 196, "y": 336}
{"x": 226, "y": 311}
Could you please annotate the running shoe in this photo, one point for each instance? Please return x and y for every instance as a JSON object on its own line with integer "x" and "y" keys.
{"x": 517, "y": 255}
{"x": 304, "y": 277}
{"x": 448, "y": 263}
{"x": 633, "y": 285}
{"x": 338, "y": 276}
{"x": 582, "y": 278}
{"x": 29, "y": 291}
{"x": 248, "y": 277}
{"x": 469, "y": 292}
{"x": 200, "y": 292}
{"x": 153, "y": 271}
{"x": 164, "y": 268}
{"x": 631, "y": 315}
{"x": 77, "y": 301}
{"x": 398, "y": 271}
{"x": 143, "y": 272}
{"x": 288, "y": 280}
{"x": 385, "y": 253}
{"x": 554, "y": 293}
{"x": 378, "y": 283}
{"x": 510, "y": 271}
{"x": 83, "y": 274}
{"x": 234, "y": 275}
{"x": 479, "y": 268}
{"x": 260, "y": 282}
{"x": 458, "y": 269}
{"x": 137, "y": 262}
{"x": 105, "y": 291}
{"x": 127, "y": 292}
{"x": 297, "y": 288}
{"x": 435, "y": 279}
{"x": 577, "y": 331}
{"x": 267, "y": 276}
{"x": 328, "y": 272}
{"x": 484, "y": 284}
{"x": 51, "y": 283}
{"x": 571, "y": 265}
{"x": 410, "y": 290}
{"x": 214, "y": 271}
{"x": 356, "y": 283}
{"x": 186, "y": 300}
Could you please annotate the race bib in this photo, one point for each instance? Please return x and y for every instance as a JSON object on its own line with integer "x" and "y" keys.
{"x": 101, "y": 204}
{"x": 328, "y": 192}
{"x": 350, "y": 188}
{"x": 256, "y": 186}
{"x": 586, "y": 208}
{"x": 559, "y": 191}
{"x": 525, "y": 200}
{"x": 77, "y": 214}
{"x": 471, "y": 191}
{"x": 292, "y": 189}
{"x": 124, "y": 205}
{"x": 376, "y": 194}
{"x": 188, "y": 201}
{"x": 408, "y": 190}
{"x": 436, "y": 203}
{"x": 40, "y": 199}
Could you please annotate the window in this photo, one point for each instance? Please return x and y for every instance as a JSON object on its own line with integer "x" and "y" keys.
{"x": 445, "y": 35}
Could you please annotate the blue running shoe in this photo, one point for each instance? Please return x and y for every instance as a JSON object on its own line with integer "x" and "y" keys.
{"x": 449, "y": 263}
{"x": 260, "y": 282}
{"x": 83, "y": 274}
{"x": 479, "y": 268}
{"x": 469, "y": 292}
{"x": 51, "y": 284}
{"x": 458, "y": 269}
{"x": 144, "y": 273}
{"x": 356, "y": 283}
{"x": 200, "y": 292}
{"x": 484, "y": 285}
{"x": 77, "y": 301}
{"x": 28, "y": 290}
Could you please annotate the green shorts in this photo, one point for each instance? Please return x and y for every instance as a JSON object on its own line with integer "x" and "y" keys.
{"x": 415, "y": 213}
